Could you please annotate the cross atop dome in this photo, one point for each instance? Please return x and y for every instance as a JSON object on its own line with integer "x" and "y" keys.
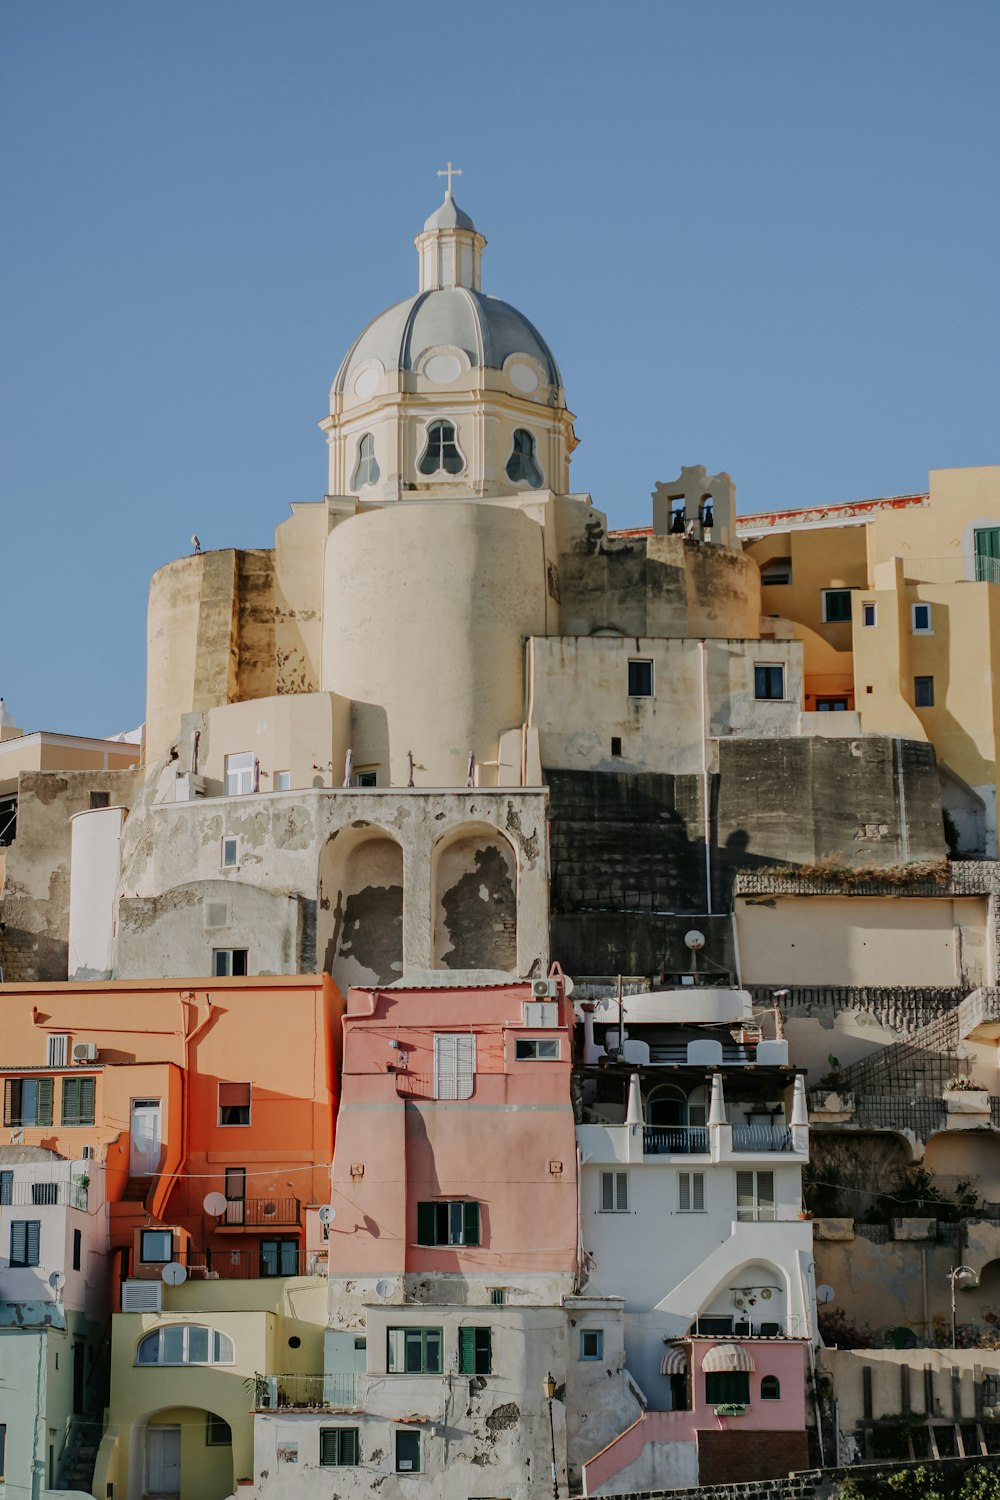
{"x": 449, "y": 171}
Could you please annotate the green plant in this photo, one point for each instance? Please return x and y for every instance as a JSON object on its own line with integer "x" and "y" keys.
{"x": 258, "y": 1387}
{"x": 834, "y": 1078}
{"x": 83, "y": 1181}
{"x": 731, "y": 1409}
{"x": 980, "y": 1484}
{"x": 962, "y": 1084}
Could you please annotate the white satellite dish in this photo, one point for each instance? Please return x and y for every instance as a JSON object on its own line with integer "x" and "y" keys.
{"x": 825, "y": 1293}
{"x": 568, "y": 986}
{"x": 174, "y": 1273}
{"x": 694, "y": 940}
{"x": 214, "y": 1204}
{"x": 57, "y": 1281}
{"x": 382, "y": 1289}
{"x": 327, "y": 1213}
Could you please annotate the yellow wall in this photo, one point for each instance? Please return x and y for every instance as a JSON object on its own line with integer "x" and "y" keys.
{"x": 206, "y": 1470}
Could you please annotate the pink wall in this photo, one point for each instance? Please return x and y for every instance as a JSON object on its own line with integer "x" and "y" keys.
{"x": 785, "y": 1359}
{"x": 413, "y": 1148}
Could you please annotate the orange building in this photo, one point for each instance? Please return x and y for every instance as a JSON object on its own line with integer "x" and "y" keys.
{"x": 228, "y": 1089}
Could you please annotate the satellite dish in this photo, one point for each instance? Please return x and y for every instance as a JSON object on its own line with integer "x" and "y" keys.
{"x": 825, "y": 1293}
{"x": 327, "y": 1213}
{"x": 214, "y": 1204}
{"x": 382, "y": 1289}
{"x": 694, "y": 940}
{"x": 174, "y": 1273}
{"x": 57, "y": 1281}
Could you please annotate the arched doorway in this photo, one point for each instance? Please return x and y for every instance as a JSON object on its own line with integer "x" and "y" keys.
{"x": 475, "y": 901}
{"x": 359, "y": 924}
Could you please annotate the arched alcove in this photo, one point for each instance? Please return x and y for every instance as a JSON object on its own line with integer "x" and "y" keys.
{"x": 474, "y": 883}
{"x": 359, "y": 923}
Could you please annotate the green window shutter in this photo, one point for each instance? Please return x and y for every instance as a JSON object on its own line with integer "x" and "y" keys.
{"x": 425, "y": 1223}
{"x": 44, "y": 1101}
{"x": 348, "y": 1445}
{"x": 71, "y": 1101}
{"x": 467, "y": 1351}
{"x": 484, "y": 1351}
{"x": 18, "y": 1241}
{"x": 88, "y": 1090}
{"x": 470, "y": 1227}
{"x": 12, "y": 1102}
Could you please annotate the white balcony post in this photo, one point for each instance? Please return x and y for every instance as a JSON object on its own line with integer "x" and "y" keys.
{"x": 720, "y": 1134}
{"x": 800, "y": 1116}
{"x": 633, "y": 1120}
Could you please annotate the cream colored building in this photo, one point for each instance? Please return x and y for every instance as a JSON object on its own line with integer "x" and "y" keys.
{"x": 897, "y": 604}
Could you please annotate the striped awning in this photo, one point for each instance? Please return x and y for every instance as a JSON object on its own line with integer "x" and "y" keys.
{"x": 727, "y": 1357}
{"x": 674, "y": 1362}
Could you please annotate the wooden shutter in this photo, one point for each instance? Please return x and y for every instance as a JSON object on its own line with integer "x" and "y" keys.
{"x": 88, "y": 1090}
{"x": 12, "y": 1101}
{"x": 470, "y": 1224}
{"x": 18, "y": 1241}
{"x": 6, "y": 1188}
{"x": 45, "y": 1091}
{"x": 467, "y": 1351}
{"x": 425, "y": 1223}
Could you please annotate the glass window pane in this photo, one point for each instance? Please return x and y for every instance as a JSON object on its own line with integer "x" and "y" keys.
{"x": 413, "y": 1344}
{"x": 198, "y": 1345}
{"x": 148, "y": 1352}
{"x": 172, "y": 1339}
{"x": 433, "y": 1348}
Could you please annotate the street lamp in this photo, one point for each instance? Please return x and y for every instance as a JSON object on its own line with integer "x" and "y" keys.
{"x": 549, "y": 1387}
{"x": 968, "y": 1278}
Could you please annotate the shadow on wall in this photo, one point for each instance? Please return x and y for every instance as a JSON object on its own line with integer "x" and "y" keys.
{"x": 475, "y": 901}
{"x": 359, "y": 924}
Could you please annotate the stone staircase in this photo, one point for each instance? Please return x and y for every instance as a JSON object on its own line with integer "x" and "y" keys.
{"x": 79, "y": 1456}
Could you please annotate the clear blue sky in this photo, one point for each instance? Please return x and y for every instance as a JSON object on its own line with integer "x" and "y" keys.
{"x": 760, "y": 235}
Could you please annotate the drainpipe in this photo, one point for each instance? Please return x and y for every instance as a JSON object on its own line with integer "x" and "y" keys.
{"x": 187, "y": 997}
{"x": 707, "y": 820}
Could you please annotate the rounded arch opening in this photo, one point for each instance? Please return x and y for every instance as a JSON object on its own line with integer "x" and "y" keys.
{"x": 474, "y": 885}
{"x": 359, "y": 921}
{"x": 183, "y": 1449}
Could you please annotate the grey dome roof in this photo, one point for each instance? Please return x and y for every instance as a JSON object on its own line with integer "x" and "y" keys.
{"x": 488, "y": 330}
{"x": 448, "y": 216}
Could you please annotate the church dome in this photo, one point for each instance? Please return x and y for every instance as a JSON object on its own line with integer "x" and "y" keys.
{"x": 487, "y": 330}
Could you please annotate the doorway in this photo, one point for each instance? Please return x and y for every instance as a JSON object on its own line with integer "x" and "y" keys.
{"x": 163, "y": 1461}
{"x": 146, "y": 1137}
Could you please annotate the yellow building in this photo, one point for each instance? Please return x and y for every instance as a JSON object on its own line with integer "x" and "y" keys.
{"x": 897, "y": 604}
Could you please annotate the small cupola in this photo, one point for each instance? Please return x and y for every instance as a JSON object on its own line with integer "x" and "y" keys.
{"x": 450, "y": 247}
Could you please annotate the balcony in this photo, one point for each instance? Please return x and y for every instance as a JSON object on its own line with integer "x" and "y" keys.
{"x": 306, "y": 1392}
{"x": 777, "y": 1137}
{"x": 43, "y": 1195}
{"x": 955, "y": 569}
{"x": 680, "y": 1140}
{"x": 435, "y": 1086}
{"x": 250, "y": 1265}
{"x": 261, "y": 1213}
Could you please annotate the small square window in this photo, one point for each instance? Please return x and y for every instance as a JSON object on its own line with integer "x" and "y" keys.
{"x": 366, "y": 778}
{"x": 768, "y": 682}
{"x": 536, "y": 1049}
{"x": 228, "y": 962}
{"x": 922, "y": 619}
{"x": 498, "y": 1296}
{"x": 836, "y": 605}
{"x": 407, "y": 1452}
{"x": 640, "y": 679}
{"x": 234, "y": 1104}
{"x": 591, "y": 1343}
{"x": 218, "y": 1433}
{"x": 616, "y": 744}
{"x": 869, "y": 613}
{"x": 100, "y": 799}
{"x": 923, "y": 692}
{"x": 230, "y": 852}
{"x": 338, "y": 1447}
{"x": 156, "y": 1246}
{"x": 241, "y": 774}
{"x": 282, "y": 781}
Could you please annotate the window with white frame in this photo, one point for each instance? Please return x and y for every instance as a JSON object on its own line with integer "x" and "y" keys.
{"x": 57, "y": 1050}
{"x": 869, "y": 612}
{"x": 614, "y": 1192}
{"x": 367, "y": 470}
{"x": 240, "y": 773}
{"x": 230, "y": 851}
{"x": 366, "y": 777}
{"x": 229, "y": 962}
{"x": 755, "y": 1196}
{"x": 536, "y": 1049}
{"x": 282, "y": 781}
{"x": 922, "y": 619}
{"x": 185, "y": 1344}
{"x": 640, "y": 678}
{"x": 522, "y": 466}
{"x": 691, "y": 1192}
{"x": 441, "y": 452}
{"x": 454, "y": 1064}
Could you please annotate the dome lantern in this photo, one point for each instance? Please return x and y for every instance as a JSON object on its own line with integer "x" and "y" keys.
{"x": 450, "y": 248}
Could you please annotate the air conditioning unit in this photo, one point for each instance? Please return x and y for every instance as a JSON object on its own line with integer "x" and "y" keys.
{"x": 84, "y": 1052}
{"x": 188, "y": 787}
{"x": 142, "y": 1296}
{"x": 544, "y": 989}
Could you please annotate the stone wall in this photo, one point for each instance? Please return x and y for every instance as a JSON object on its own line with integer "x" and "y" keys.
{"x": 735, "y": 1456}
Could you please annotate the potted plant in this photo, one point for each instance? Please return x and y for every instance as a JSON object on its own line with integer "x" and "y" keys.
{"x": 258, "y": 1388}
{"x": 963, "y": 1096}
{"x": 730, "y": 1409}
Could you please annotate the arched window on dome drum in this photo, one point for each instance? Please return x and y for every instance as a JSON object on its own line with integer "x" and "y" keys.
{"x": 522, "y": 467}
{"x": 185, "y": 1344}
{"x": 367, "y": 471}
{"x": 441, "y": 451}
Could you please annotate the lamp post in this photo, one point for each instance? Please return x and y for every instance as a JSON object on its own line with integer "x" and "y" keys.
{"x": 549, "y": 1387}
{"x": 967, "y": 1276}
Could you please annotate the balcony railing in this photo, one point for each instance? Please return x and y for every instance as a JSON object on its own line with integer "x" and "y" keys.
{"x": 43, "y": 1195}
{"x": 442, "y": 1086}
{"x": 958, "y": 568}
{"x": 262, "y": 1213}
{"x": 762, "y": 1138}
{"x": 288, "y": 1392}
{"x": 250, "y": 1265}
{"x": 680, "y": 1140}
{"x": 676, "y": 1053}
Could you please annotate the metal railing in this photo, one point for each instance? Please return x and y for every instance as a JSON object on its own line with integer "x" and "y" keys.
{"x": 679, "y": 1140}
{"x": 762, "y": 1138}
{"x": 263, "y": 1213}
{"x": 677, "y": 1053}
{"x": 442, "y": 1086}
{"x": 285, "y": 1392}
{"x": 250, "y": 1264}
{"x": 959, "y": 568}
{"x": 43, "y": 1195}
